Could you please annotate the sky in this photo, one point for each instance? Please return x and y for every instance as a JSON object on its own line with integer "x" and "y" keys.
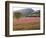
{"x": 14, "y": 9}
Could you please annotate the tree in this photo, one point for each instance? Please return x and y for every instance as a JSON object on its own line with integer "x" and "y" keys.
{"x": 17, "y": 14}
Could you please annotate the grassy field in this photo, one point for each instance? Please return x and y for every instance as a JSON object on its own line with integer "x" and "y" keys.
{"x": 32, "y": 24}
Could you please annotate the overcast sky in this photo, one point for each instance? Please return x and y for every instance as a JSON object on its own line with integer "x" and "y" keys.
{"x": 14, "y": 9}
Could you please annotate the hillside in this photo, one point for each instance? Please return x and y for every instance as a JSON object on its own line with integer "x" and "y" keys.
{"x": 27, "y": 12}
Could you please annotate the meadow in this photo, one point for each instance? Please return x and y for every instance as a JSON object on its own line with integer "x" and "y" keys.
{"x": 26, "y": 23}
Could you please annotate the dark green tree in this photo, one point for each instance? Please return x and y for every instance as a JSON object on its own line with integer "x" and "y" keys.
{"x": 17, "y": 14}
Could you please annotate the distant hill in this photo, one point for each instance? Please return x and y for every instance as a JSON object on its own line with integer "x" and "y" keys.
{"x": 25, "y": 11}
{"x": 28, "y": 12}
{"x": 35, "y": 13}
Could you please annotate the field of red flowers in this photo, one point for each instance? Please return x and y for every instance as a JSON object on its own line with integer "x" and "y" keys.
{"x": 27, "y": 23}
